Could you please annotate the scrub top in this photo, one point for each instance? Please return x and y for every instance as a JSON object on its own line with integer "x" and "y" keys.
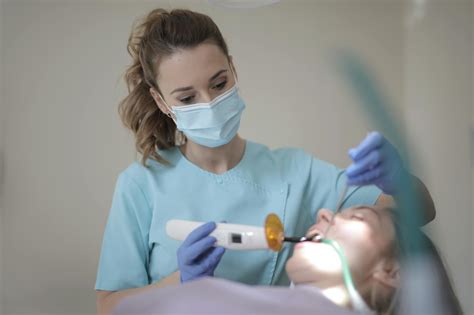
{"x": 136, "y": 250}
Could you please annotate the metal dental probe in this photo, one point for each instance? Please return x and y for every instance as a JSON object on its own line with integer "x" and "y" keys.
{"x": 319, "y": 237}
{"x": 338, "y": 208}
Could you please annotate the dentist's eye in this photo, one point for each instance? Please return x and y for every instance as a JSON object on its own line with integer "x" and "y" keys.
{"x": 220, "y": 86}
{"x": 186, "y": 100}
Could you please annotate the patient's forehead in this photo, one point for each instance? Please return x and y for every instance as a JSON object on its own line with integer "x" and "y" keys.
{"x": 380, "y": 210}
{"x": 381, "y": 216}
{"x": 384, "y": 215}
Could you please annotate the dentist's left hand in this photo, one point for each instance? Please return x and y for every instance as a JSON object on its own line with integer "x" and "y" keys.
{"x": 197, "y": 256}
{"x": 376, "y": 162}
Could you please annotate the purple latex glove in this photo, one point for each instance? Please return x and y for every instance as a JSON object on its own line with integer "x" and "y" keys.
{"x": 376, "y": 162}
{"x": 197, "y": 256}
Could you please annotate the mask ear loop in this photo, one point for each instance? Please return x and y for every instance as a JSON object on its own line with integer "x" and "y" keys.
{"x": 235, "y": 78}
{"x": 170, "y": 113}
{"x": 180, "y": 138}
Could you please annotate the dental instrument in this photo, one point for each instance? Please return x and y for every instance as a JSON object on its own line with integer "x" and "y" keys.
{"x": 318, "y": 237}
{"x": 239, "y": 236}
{"x": 338, "y": 208}
{"x": 230, "y": 236}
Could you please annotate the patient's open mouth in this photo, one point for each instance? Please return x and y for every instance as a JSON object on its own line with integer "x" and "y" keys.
{"x": 315, "y": 235}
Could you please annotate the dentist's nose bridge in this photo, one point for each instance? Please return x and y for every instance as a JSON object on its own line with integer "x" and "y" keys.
{"x": 200, "y": 97}
{"x": 205, "y": 97}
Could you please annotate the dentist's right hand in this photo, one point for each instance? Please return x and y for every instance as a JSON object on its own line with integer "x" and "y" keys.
{"x": 196, "y": 256}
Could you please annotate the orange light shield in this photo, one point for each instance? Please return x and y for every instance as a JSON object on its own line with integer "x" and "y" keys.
{"x": 274, "y": 232}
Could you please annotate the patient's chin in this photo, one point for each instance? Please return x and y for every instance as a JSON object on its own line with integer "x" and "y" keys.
{"x": 314, "y": 263}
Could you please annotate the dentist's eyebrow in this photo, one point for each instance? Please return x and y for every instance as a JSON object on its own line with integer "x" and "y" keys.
{"x": 187, "y": 88}
{"x": 369, "y": 208}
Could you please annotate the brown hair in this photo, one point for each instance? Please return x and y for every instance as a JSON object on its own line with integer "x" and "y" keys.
{"x": 399, "y": 250}
{"x": 159, "y": 34}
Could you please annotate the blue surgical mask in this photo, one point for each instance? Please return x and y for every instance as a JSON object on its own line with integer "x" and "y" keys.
{"x": 211, "y": 124}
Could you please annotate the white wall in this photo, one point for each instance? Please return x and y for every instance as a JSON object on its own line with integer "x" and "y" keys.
{"x": 2, "y": 145}
{"x": 65, "y": 144}
{"x": 472, "y": 151}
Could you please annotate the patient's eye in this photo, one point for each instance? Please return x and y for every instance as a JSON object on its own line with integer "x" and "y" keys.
{"x": 358, "y": 217}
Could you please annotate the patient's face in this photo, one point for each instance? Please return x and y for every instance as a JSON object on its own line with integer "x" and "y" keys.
{"x": 365, "y": 234}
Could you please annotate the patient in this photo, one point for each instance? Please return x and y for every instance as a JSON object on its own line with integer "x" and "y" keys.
{"x": 368, "y": 237}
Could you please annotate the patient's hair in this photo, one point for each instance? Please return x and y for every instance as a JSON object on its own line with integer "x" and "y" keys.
{"x": 161, "y": 33}
{"x": 399, "y": 250}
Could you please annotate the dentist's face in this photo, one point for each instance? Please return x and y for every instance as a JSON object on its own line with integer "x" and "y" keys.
{"x": 365, "y": 234}
{"x": 193, "y": 75}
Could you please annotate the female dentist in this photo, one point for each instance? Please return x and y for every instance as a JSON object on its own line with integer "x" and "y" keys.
{"x": 184, "y": 109}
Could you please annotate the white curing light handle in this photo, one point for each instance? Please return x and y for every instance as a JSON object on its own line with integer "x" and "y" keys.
{"x": 231, "y": 236}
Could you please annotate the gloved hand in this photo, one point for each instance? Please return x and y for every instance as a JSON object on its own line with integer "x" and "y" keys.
{"x": 196, "y": 256}
{"x": 376, "y": 162}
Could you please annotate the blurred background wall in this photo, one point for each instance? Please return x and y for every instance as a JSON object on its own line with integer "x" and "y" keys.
{"x": 64, "y": 145}
{"x": 2, "y": 171}
{"x": 437, "y": 85}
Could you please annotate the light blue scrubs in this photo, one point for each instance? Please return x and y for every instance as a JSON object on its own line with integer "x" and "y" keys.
{"x": 289, "y": 182}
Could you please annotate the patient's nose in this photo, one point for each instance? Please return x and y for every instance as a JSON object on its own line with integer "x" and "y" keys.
{"x": 324, "y": 215}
